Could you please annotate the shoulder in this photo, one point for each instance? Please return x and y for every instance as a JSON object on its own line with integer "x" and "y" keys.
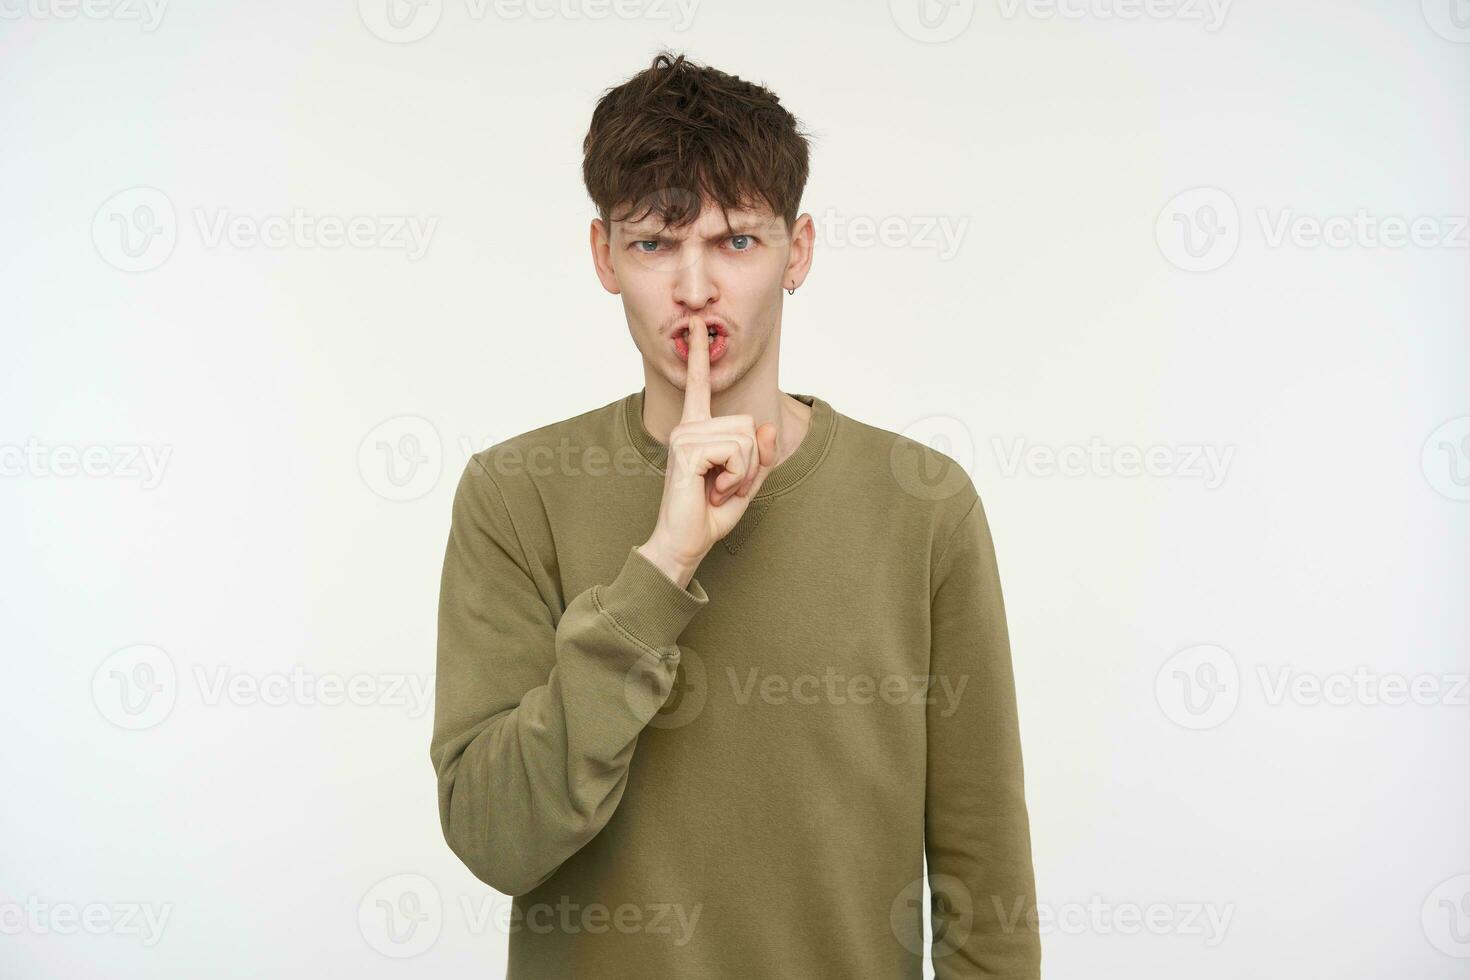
{"x": 916, "y": 474}
{"x": 909, "y": 488}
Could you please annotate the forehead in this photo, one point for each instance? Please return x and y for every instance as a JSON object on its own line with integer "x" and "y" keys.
{"x": 710, "y": 220}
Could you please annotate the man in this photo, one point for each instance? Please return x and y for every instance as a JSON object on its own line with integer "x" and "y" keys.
{"x": 718, "y": 665}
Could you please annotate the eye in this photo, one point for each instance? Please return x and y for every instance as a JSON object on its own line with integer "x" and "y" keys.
{"x": 743, "y": 238}
{"x": 646, "y": 241}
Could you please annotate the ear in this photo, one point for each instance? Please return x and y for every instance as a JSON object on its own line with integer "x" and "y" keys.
{"x": 803, "y": 243}
{"x": 602, "y": 256}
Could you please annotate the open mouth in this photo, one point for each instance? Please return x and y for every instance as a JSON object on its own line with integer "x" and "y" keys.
{"x": 719, "y": 342}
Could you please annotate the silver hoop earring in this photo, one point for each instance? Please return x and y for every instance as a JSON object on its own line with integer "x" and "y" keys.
{"x": 791, "y": 291}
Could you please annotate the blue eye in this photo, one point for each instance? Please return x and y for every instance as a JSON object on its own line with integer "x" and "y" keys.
{"x": 646, "y": 241}
{"x": 736, "y": 238}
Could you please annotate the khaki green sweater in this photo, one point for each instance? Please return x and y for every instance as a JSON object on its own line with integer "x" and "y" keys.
{"x": 740, "y": 779}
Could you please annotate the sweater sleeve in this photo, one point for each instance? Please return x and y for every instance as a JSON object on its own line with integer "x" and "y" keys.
{"x": 536, "y": 719}
{"x": 976, "y": 827}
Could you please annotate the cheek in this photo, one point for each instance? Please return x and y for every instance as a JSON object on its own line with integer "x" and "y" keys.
{"x": 645, "y": 311}
{"x": 754, "y": 304}
{"x": 637, "y": 292}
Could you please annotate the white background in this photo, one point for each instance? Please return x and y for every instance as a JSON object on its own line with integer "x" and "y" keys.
{"x": 1085, "y": 310}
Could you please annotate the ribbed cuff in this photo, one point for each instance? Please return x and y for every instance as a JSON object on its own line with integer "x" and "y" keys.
{"x": 647, "y": 603}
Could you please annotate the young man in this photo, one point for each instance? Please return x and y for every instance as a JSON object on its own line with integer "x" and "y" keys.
{"x": 718, "y": 665}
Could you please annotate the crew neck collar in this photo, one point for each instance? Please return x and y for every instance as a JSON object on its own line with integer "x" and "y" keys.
{"x": 787, "y": 474}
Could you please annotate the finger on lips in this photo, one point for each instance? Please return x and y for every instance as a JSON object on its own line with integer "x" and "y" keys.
{"x": 696, "y": 378}
{"x": 749, "y": 463}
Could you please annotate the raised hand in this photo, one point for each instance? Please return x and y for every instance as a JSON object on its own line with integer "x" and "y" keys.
{"x": 715, "y": 467}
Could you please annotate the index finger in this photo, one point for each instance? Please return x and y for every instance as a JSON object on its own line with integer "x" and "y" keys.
{"x": 696, "y": 379}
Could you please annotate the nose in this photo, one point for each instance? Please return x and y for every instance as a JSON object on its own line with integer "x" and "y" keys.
{"x": 694, "y": 287}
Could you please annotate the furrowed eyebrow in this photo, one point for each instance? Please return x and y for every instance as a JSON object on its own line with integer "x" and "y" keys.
{"x": 644, "y": 236}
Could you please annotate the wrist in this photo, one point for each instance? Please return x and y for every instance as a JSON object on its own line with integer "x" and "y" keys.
{"x": 678, "y": 568}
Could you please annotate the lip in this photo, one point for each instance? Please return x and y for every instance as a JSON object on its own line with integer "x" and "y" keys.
{"x": 717, "y": 348}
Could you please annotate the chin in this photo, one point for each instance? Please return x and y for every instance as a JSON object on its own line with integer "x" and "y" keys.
{"x": 718, "y": 378}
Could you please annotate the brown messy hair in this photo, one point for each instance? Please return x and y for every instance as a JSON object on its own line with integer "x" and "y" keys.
{"x": 678, "y": 134}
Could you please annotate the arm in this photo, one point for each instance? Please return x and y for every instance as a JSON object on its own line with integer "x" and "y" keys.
{"x": 977, "y": 832}
{"x": 535, "y": 721}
